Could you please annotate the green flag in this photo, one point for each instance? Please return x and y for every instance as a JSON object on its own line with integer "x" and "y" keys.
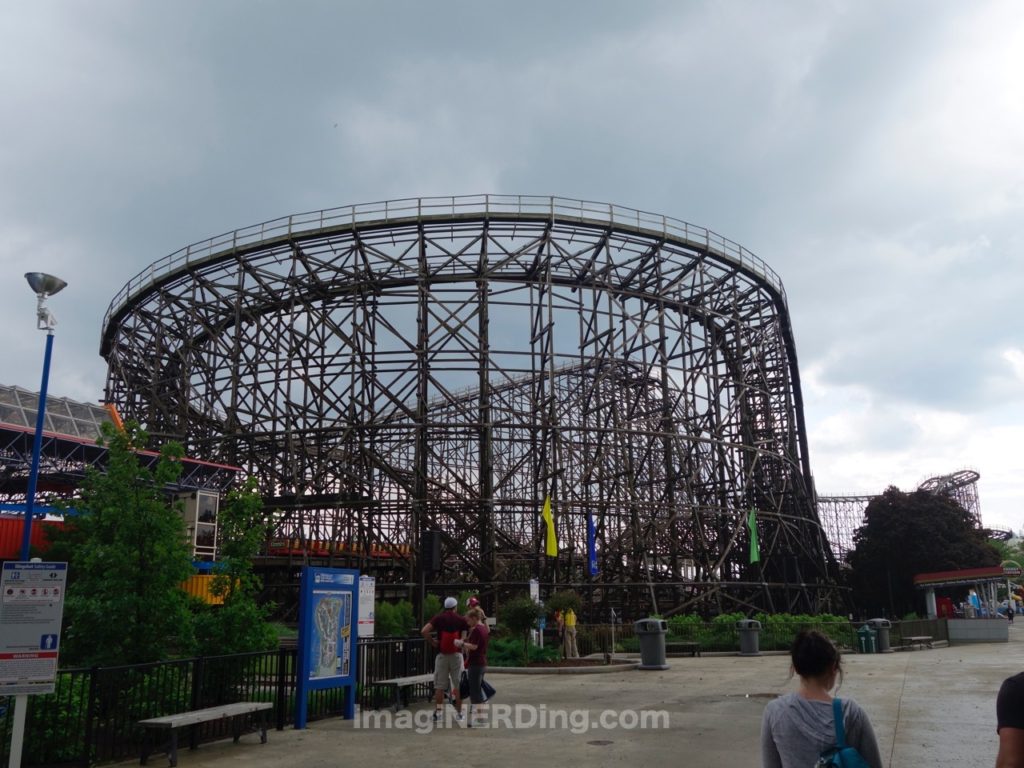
{"x": 755, "y": 549}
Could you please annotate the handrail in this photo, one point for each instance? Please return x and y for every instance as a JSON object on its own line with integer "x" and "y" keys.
{"x": 418, "y": 209}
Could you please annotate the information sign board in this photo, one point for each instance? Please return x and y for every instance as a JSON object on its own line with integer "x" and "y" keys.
{"x": 31, "y": 611}
{"x": 328, "y": 635}
{"x": 367, "y": 597}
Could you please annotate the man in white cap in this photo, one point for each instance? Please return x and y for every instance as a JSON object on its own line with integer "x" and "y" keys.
{"x": 451, "y": 629}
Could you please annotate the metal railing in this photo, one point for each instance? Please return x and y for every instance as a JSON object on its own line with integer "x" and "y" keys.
{"x": 416, "y": 209}
{"x": 92, "y": 717}
{"x": 725, "y": 637}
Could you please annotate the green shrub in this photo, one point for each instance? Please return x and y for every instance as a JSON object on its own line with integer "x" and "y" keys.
{"x": 563, "y": 600}
{"x": 686, "y": 627}
{"x": 508, "y": 652}
{"x": 519, "y": 615}
{"x": 777, "y": 630}
{"x": 394, "y": 619}
{"x": 628, "y": 645}
{"x": 431, "y": 607}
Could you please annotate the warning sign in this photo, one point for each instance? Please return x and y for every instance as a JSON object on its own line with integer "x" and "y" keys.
{"x": 31, "y": 611}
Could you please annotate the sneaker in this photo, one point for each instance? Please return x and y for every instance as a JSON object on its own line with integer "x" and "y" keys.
{"x": 459, "y": 717}
{"x": 437, "y": 715}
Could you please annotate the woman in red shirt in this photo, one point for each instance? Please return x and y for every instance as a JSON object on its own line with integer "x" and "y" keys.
{"x": 476, "y": 662}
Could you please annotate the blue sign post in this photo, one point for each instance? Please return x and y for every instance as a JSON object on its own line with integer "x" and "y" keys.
{"x": 328, "y": 636}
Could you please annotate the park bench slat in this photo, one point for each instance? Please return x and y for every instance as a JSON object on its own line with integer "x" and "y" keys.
{"x": 171, "y": 724}
{"x": 204, "y": 715}
{"x": 401, "y": 683}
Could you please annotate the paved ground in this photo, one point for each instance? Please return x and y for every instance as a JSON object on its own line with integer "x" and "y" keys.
{"x": 928, "y": 707}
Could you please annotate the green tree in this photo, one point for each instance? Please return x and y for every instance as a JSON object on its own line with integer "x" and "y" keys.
{"x": 563, "y": 601}
{"x": 240, "y": 624}
{"x": 394, "y": 619}
{"x": 520, "y": 615}
{"x": 909, "y": 533}
{"x": 124, "y": 603}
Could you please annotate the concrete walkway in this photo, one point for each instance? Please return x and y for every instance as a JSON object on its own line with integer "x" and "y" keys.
{"x": 928, "y": 707}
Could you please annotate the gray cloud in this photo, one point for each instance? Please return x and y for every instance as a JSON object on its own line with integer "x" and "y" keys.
{"x": 870, "y": 153}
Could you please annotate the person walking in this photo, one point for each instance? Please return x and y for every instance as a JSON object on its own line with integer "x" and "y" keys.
{"x": 449, "y": 627}
{"x": 798, "y": 727}
{"x": 1010, "y": 722}
{"x": 476, "y": 665}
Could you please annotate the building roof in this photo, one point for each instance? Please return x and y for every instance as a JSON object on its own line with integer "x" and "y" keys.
{"x": 69, "y": 446}
{"x": 20, "y": 407}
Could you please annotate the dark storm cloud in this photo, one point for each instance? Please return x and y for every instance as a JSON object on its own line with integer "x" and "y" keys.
{"x": 870, "y": 153}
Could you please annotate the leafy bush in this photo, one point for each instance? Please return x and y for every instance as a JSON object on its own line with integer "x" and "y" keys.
{"x": 394, "y": 619}
{"x": 238, "y": 626}
{"x": 519, "y": 615}
{"x": 777, "y": 630}
{"x": 52, "y": 730}
{"x": 508, "y": 652}
{"x": 431, "y": 607}
{"x": 563, "y": 601}
{"x": 686, "y": 627}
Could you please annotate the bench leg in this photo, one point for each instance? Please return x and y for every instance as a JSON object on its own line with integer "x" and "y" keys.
{"x": 236, "y": 728}
{"x": 147, "y": 747}
{"x": 173, "y": 754}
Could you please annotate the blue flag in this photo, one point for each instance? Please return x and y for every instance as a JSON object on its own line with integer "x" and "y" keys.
{"x": 591, "y": 545}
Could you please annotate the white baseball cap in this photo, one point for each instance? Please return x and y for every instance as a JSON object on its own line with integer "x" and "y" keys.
{"x": 450, "y": 602}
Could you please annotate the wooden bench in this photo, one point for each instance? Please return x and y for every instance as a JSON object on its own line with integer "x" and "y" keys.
{"x": 171, "y": 723}
{"x": 921, "y": 641}
{"x": 401, "y": 686}
{"x": 681, "y": 647}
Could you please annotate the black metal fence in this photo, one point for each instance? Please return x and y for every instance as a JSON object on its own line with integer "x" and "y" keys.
{"x": 725, "y": 636}
{"x": 92, "y": 717}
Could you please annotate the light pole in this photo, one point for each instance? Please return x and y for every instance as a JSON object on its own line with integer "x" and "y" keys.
{"x": 44, "y": 286}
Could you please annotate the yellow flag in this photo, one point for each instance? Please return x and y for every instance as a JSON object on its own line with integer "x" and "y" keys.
{"x": 551, "y": 546}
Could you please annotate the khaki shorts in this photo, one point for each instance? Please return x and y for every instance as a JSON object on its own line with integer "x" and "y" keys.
{"x": 447, "y": 671}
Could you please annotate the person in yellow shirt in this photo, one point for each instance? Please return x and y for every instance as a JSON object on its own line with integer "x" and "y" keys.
{"x": 569, "y": 636}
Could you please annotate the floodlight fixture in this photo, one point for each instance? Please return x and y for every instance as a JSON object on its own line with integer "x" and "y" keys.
{"x": 44, "y": 285}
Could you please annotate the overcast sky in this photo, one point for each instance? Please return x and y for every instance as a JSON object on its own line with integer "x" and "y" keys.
{"x": 872, "y": 153}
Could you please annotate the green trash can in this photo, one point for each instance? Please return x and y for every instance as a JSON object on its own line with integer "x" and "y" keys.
{"x": 651, "y": 633}
{"x": 750, "y": 640}
{"x": 867, "y": 639}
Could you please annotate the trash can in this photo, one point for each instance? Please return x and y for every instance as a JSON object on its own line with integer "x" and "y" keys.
{"x": 882, "y": 627}
{"x": 750, "y": 637}
{"x": 866, "y": 639}
{"x": 651, "y": 633}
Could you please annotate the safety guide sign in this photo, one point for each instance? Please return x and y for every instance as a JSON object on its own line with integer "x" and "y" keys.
{"x": 31, "y": 610}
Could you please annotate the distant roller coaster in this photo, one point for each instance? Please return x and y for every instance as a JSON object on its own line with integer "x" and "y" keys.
{"x": 445, "y": 364}
{"x": 841, "y": 516}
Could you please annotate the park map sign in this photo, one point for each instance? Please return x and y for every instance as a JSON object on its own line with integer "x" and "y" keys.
{"x": 328, "y": 636}
{"x": 31, "y": 611}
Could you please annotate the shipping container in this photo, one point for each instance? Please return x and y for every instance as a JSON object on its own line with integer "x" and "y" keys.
{"x": 12, "y": 529}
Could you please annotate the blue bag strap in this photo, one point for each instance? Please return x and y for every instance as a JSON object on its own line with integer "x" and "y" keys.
{"x": 837, "y": 715}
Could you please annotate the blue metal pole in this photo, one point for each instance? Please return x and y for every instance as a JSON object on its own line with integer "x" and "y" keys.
{"x": 37, "y": 447}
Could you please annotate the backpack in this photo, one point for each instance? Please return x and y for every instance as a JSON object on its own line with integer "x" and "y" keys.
{"x": 842, "y": 754}
{"x": 446, "y": 641}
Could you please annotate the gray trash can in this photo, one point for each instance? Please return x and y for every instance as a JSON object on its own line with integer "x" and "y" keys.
{"x": 882, "y": 627}
{"x": 750, "y": 631}
{"x": 651, "y": 633}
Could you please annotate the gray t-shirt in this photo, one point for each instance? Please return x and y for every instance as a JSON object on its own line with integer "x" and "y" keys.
{"x": 795, "y": 731}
